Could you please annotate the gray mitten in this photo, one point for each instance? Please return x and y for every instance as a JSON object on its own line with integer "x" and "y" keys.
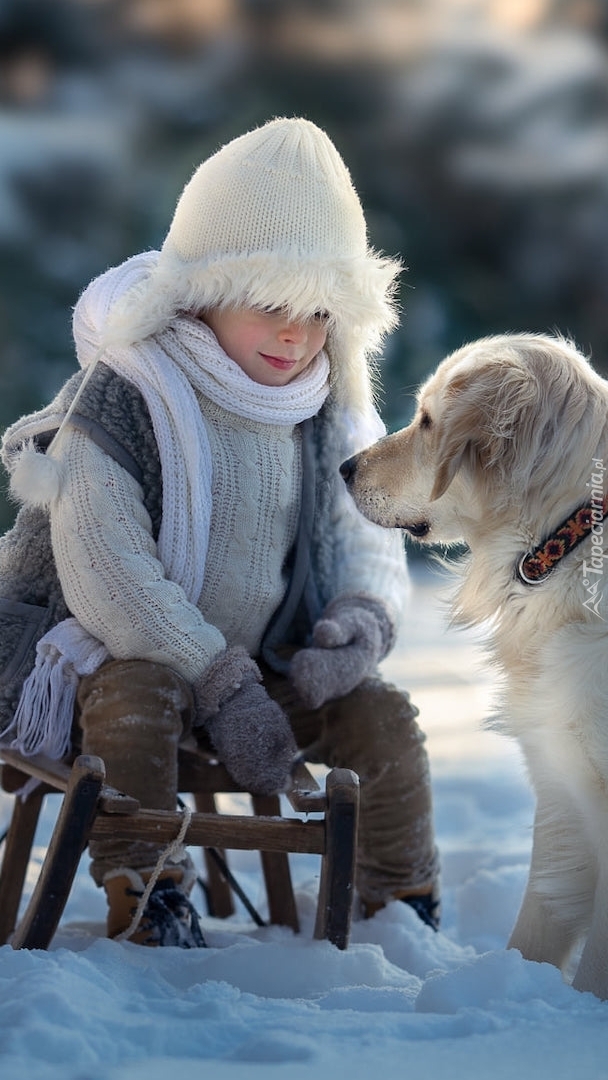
{"x": 353, "y": 635}
{"x": 248, "y": 730}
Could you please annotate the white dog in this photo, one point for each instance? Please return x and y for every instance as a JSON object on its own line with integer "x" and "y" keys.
{"x": 508, "y": 451}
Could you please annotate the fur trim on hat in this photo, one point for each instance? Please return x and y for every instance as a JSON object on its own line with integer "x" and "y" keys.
{"x": 354, "y": 292}
{"x": 357, "y": 295}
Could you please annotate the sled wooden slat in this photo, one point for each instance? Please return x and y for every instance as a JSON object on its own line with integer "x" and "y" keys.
{"x": 219, "y": 894}
{"x": 91, "y": 808}
{"x": 235, "y": 831}
{"x": 200, "y": 772}
{"x": 57, "y": 775}
{"x": 275, "y": 867}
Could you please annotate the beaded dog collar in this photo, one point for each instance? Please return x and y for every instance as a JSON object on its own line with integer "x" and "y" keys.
{"x": 534, "y": 566}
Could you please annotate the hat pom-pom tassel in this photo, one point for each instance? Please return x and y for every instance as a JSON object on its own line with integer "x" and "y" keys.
{"x": 36, "y": 478}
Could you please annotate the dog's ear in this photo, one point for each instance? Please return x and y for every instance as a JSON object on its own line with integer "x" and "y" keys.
{"x": 458, "y": 427}
{"x": 451, "y": 461}
{"x": 481, "y": 410}
{"x": 516, "y": 409}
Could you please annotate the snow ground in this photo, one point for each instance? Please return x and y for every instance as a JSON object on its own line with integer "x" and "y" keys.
{"x": 401, "y": 1001}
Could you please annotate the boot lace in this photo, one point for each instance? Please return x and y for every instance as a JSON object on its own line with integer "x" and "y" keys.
{"x": 169, "y": 917}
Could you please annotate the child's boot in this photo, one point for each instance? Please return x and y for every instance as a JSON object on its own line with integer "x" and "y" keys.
{"x": 167, "y": 917}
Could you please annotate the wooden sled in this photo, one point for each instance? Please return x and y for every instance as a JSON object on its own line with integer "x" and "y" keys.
{"x": 91, "y": 808}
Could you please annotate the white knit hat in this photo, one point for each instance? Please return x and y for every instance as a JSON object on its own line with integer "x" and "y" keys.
{"x": 272, "y": 220}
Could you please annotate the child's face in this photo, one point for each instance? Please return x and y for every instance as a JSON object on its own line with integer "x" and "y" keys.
{"x": 269, "y": 348}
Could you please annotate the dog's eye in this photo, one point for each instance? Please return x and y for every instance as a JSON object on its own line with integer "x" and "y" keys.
{"x": 425, "y": 420}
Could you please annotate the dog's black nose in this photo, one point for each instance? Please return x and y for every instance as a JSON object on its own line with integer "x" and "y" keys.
{"x": 347, "y": 469}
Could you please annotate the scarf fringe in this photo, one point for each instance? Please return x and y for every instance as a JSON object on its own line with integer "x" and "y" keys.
{"x": 44, "y": 715}
{"x": 43, "y": 719}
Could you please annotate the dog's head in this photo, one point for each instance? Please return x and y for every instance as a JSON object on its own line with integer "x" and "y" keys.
{"x": 504, "y": 422}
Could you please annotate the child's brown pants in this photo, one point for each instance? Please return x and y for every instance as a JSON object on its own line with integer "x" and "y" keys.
{"x": 373, "y": 731}
{"x": 134, "y": 713}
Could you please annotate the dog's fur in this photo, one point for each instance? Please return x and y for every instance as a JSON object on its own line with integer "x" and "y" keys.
{"x": 509, "y": 438}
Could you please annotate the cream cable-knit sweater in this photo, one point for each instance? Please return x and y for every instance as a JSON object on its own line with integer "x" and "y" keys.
{"x": 108, "y": 565}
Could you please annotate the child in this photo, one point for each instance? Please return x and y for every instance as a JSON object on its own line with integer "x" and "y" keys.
{"x": 187, "y": 558}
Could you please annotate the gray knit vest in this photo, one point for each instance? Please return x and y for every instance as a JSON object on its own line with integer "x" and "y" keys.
{"x": 114, "y": 414}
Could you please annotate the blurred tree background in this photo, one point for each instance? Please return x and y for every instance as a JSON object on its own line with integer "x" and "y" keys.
{"x": 476, "y": 132}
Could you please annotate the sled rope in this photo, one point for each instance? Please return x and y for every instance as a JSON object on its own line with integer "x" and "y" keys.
{"x": 171, "y": 849}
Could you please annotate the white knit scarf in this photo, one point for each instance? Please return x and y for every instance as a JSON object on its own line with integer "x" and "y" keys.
{"x": 169, "y": 370}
